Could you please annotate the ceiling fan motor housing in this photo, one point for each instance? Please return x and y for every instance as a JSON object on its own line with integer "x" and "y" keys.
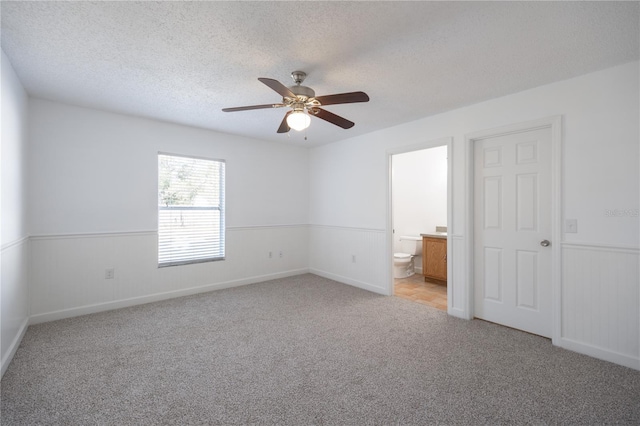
{"x": 303, "y": 91}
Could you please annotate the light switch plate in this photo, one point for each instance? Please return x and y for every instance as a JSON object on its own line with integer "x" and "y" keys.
{"x": 571, "y": 226}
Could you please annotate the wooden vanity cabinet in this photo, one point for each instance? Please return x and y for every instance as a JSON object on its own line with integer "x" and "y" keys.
{"x": 434, "y": 258}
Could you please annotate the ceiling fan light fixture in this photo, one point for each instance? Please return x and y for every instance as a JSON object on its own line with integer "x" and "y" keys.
{"x": 298, "y": 120}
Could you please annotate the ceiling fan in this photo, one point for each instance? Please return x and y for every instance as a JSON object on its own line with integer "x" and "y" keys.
{"x": 304, "y": 103}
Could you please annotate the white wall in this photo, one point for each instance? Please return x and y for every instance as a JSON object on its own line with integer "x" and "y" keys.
{"x": 419, "y": 193}
{"x": 600, "y": 171}
{"x": 13, "y": 226}
{"x": 93, "y": 205}
{"x": 95, "y": 171}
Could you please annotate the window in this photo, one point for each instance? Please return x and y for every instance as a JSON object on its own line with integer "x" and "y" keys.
{"x": 190, "y": 210}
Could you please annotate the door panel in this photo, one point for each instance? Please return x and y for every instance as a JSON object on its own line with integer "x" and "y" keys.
{"x": 527, "y": 201}
{"x": 526, "y": 279}
{"x": 512, "y": 215}
{"x": 493, "y": 202}
{"x": 493, "y": 274}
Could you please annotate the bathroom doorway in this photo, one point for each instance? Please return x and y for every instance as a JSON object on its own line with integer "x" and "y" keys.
{"x": 419, "y": 200}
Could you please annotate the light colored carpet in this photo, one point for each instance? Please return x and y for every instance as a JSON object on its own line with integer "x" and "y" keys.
{"x": 298, "y": 351}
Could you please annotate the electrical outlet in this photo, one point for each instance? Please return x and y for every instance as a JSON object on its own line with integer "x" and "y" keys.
{"x": 270, "y": 255}
{"x": 353, "y": 258}
{"x": 281, "y": 254}
{"x": 571, "y": 226}
{"x": 109, "y": 273}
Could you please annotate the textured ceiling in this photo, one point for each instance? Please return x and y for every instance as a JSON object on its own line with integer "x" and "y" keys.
{"x": 185, "y": 61}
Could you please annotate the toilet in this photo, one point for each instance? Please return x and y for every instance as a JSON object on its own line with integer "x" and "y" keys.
{"x": 403, "y": 261}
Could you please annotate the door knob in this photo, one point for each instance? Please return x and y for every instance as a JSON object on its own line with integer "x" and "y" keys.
{"x": 545, "y": 243}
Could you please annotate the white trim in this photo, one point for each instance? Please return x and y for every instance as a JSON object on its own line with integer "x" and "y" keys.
{"x": 389, "y": 278}
{"x": 344, "y": 280}
{"x": 195, "y": 157}
{"x": 600, "y": 353}
{"x": 555, "y": 124}
{"x": 153, "y": 232}
{"x": 94, "y": 235}
{"x": 556, "y": 225}
{"x": 601, "y": 247}
{"x": 13, "y": 243}
{"x": 348, "y": 228}
{"x": 133, "y": 301}
{"x": 456, "y": 312}
{"x": 14, "y": 346}
{"x": 468, "y": 227}
{"x": 458, "y": 276}
{"x": 434, "y": 143}
{"x": 248, "y": 228}
{"x": 451, "y": 277}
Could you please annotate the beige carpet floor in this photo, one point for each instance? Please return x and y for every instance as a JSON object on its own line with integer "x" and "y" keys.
{"x": 299, "y": 351}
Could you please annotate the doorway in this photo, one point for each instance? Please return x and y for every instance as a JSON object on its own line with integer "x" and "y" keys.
{"x": 513, "y": 218}
{"x": 419, "y": 205}
{"x": 512, "y": 229}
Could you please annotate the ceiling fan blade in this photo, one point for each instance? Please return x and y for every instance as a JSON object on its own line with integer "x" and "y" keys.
{"x": 284, "y": 127}
{"x": 278, "y": 87}
{"x": 246, "y": 108}
{"x": 343, "y": 98}
{"x": 332, "y": 118}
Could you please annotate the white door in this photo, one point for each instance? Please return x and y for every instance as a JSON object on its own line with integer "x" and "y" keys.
{"x": 512, "y": 225}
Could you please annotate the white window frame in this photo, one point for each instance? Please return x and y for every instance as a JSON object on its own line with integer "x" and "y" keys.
{"x": 220, "y": 255}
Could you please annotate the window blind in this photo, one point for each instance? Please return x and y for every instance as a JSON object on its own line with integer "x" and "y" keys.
{"x": 190, "y": 210}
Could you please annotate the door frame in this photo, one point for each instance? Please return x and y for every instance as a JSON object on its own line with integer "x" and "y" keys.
{"x": 445, "y": 141}
{"x": 555, "y": 124}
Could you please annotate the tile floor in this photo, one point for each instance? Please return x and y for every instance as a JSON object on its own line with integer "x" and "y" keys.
{"x": 416, "y": 289}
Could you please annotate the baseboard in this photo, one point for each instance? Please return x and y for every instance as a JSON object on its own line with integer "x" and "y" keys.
{"x": 349, "y": 281}
{"x": 458, "y": 313}
{"x": 14, "y": 346}
{"x": 603, "y": 354}
{"x": 141, "y": 300}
